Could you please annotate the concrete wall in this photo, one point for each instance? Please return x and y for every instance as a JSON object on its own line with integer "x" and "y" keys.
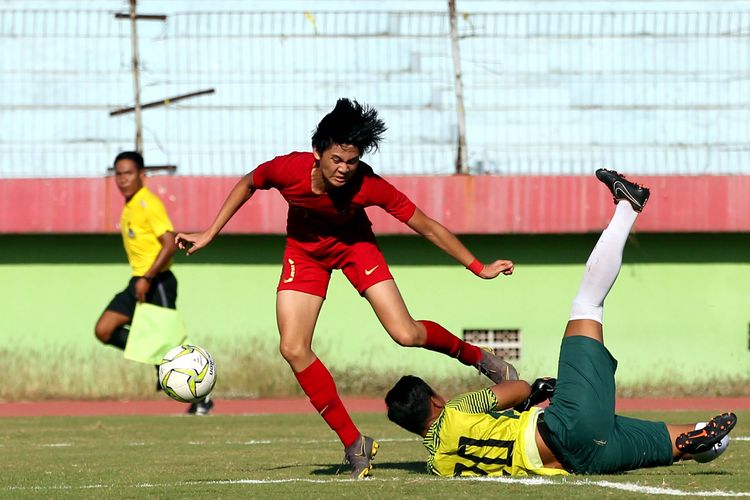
{"x": 680, "y": 306}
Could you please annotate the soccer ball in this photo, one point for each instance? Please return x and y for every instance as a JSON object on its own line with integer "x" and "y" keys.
{"x": 187, "y": 373}
{"x": 714, "y": 452}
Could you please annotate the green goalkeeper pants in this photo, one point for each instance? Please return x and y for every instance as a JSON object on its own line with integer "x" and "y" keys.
{"x": 584, "y": 432}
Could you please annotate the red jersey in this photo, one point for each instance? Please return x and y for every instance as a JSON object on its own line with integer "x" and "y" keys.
{"x": 338, "y": 214}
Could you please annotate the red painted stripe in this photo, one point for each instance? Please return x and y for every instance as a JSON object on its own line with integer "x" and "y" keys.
{"x": 465, "y": 204}
{"x": 168, "y": 407}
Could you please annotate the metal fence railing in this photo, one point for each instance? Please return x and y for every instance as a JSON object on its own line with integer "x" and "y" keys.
{"x": 659, "y": 92}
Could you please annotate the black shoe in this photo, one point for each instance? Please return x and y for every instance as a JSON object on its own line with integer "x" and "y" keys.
{"x": 158, "y": 382}
{"x": 495, "y": 368}
{"x": 623, "y": 189}
{"x": 201, "y": 407}
{"x": 360, "y": 454}
{"x": 701, "y": 440}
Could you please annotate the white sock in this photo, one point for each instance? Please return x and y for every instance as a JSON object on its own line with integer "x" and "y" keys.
{"x": 603, "y": 265}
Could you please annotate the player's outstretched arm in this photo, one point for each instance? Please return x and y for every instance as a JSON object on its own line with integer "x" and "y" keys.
{"x": 511, "y": 393}
{"x": 445, "y": 240}
{"x": 240, "y": 193}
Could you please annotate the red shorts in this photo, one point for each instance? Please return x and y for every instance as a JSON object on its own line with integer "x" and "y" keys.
{"x": 361, "y": 262}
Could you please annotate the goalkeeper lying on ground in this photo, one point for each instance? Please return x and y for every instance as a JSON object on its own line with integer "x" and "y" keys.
{"x": 499, "y": 431}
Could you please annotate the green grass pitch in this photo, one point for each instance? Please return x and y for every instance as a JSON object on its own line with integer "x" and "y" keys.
{"x": 294, "y": 456}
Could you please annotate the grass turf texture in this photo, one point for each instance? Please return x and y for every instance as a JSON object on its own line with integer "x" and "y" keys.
{"x": 290, "y": 456}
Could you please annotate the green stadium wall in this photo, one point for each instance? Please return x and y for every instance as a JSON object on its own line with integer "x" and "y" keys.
{"x": 680, "y": 307}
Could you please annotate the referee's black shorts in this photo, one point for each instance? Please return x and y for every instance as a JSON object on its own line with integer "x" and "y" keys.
{"x": 163, "y": 292}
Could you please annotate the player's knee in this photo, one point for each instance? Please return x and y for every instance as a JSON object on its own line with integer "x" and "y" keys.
{"x": 406, "y": 337}
{"x": 292, "y": 352}
{"x": 102, "y": 333}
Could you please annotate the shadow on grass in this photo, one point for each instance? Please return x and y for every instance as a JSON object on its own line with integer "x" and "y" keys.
{"x": 333, "y": 470}
{"x": 282, "y": 467}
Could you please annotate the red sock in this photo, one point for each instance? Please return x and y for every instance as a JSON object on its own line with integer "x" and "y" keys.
{"x": 319, "y": 386}
{"x": 441, "y": 340}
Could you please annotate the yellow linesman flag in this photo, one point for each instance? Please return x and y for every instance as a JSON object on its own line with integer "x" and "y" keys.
{"x": 155, "y": 330}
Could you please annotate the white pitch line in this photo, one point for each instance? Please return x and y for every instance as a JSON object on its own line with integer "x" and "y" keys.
{"x": 307, "y": 441}
{"x": 532, "y": 481}
{"x": 630, "y": 487}
{"x": 285, "y": 481}
{"x": 281, "y": 441}
{"x": 319, "y": 441}
{"x": 657, "y": 490}
{"x": 58, "y": 488}
{"x": 199, "y": 483}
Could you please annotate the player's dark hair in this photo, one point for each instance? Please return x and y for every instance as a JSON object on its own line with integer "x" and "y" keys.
{"x": 349, "y": 123}
{"x": 133, "y": 156}
{"x": 408, "y": 403}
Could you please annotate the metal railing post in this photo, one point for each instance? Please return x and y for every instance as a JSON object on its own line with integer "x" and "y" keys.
{"x": 462, "y": 163}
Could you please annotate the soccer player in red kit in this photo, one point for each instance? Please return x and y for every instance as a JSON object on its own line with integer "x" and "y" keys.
{"x": 327, "y": 228}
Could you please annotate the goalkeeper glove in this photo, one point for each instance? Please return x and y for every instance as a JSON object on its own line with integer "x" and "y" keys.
{"x": 541, "y": 390}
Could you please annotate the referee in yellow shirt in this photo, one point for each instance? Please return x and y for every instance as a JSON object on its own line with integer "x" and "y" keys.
{"x": 148, "y": 237}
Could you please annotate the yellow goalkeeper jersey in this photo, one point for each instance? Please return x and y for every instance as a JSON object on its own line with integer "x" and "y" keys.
{"x": 143, "y": 220}
{"x": 472, "y": 438}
